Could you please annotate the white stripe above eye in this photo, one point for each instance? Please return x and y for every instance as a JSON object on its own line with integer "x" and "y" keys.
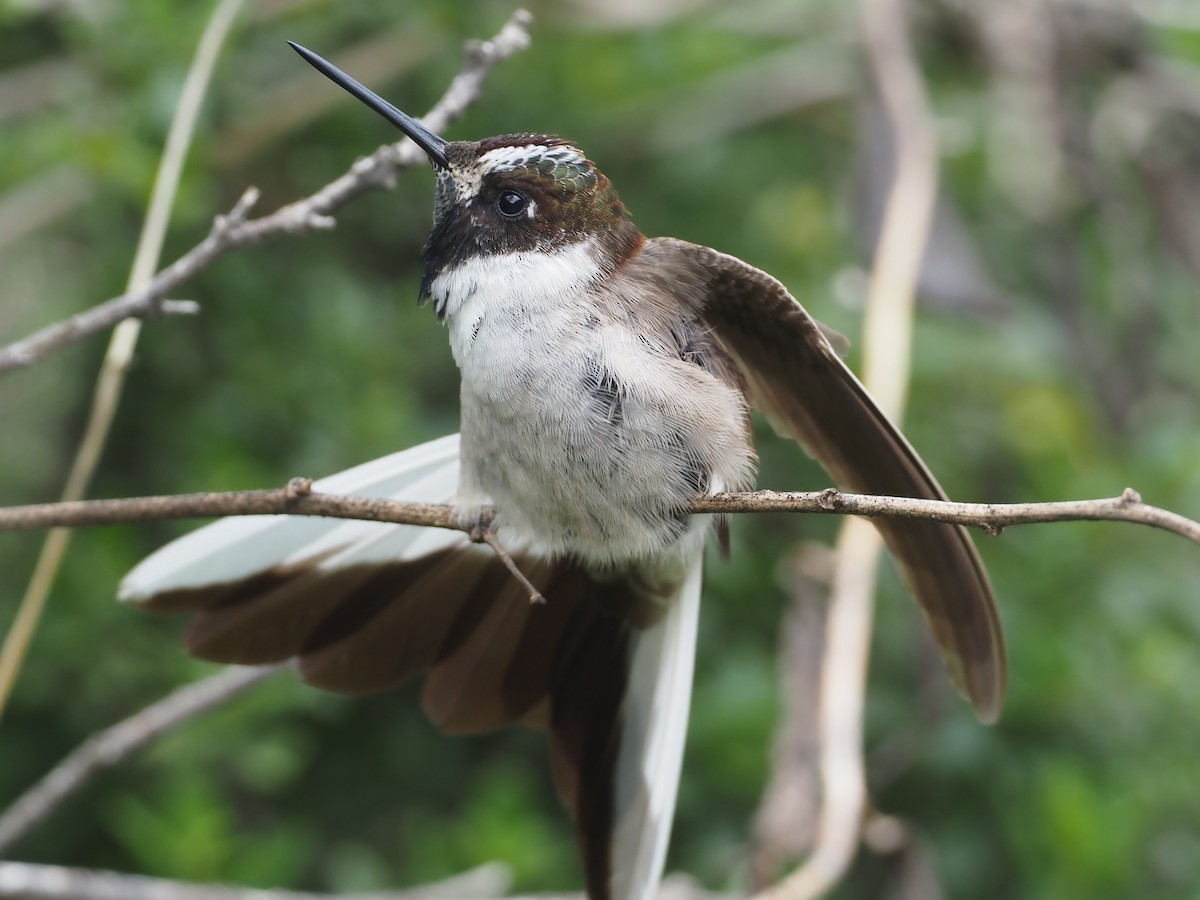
{"x": 504, "y": 159}
{"x": 467, "y": 179}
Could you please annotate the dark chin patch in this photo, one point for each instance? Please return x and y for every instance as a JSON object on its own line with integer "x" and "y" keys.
{"x": 423, "y": 295}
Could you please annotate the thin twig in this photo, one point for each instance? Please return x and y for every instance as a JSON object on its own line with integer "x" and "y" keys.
{"x": 989, "y": 517}
{"x": 483, "y": 533}
{"x": 116, "y": 743}
{"x": 235, "y": 230}
{"x": 145, "y": 302}
{"x": 29, "y": 881}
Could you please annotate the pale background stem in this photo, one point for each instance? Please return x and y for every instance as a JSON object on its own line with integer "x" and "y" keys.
{"x": 886, "y": 365}
{"x": 122, "y": 343}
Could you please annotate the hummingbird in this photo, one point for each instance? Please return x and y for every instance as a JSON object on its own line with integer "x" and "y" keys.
{"x": 607, "y": 380}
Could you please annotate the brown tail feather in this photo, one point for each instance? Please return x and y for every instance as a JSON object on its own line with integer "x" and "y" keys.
{"x": 491, "y": 657}
{"x": 590, "y": 680}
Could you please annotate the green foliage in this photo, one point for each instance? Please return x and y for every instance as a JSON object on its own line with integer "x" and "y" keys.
{"x": 1062, "y": 365}
{"x": 187, "y": 830}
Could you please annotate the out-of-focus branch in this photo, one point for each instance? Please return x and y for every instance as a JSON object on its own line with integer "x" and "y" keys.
{"x": 785, "y": 822}
{"x": 296, "y": 499}
{"x": 236, "y": 230}
{"x": 40, "y": 882}
{"x": 914, "y": 877}
{"x": 148, "y": 294}
{"x": 116, "y": 743}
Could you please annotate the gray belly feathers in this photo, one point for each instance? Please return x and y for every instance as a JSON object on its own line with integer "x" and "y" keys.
{"x": 590, "y": 432}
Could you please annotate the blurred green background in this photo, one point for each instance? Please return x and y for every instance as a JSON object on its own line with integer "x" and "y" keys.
{"x": 1056, "y": 357}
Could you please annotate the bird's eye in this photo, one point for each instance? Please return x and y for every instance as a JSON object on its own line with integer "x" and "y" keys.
{"x": 511, "y": 204}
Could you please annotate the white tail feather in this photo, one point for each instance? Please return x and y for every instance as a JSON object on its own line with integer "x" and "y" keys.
{"x": 242, "y": 546}
{"x": 654, "y": 719}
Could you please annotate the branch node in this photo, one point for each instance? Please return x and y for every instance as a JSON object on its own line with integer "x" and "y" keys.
{"x": 475, "y": 50}
{"x": 227, "y": 222}
{"x": 245, "y": 203}
{"x": 515, "y": 32}
{"x": 298, "y": 487}
{"x": 382, "y": 167}
{"x": 179, "y": 307}
{"x": 1130, "y": 497}
{"x": 991, "y": 529}
{"x": 830, "y": 499}
{"x": 884, "y": 834}
{"x": 318, "y": 222}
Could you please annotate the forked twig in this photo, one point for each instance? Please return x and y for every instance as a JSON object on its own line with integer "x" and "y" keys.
{"x": 483, "y": 533}
{"x": 147, "y": 294}
{"x": 236, "y": 230}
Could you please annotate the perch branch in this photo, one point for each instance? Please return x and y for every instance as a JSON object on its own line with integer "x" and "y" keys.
{"x": 992, "y": 518}
{"x": 291, "y": 500}
{"x": 236, "y": 230}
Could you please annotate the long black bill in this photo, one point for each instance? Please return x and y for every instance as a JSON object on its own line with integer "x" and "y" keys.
{"x": 433, "y": 145}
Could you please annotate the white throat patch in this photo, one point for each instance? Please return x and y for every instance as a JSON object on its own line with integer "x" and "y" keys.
{"x": 528, "y": 279}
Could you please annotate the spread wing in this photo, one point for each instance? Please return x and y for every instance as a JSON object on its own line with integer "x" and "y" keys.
{"x": 602, "y": 666}
{"x": 793, "y": 374}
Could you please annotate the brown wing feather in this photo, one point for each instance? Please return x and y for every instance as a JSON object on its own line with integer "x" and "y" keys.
{"x": 794, "y": 375}
{"x": 410, "y": 631}
{"x": 494, "y": 676}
